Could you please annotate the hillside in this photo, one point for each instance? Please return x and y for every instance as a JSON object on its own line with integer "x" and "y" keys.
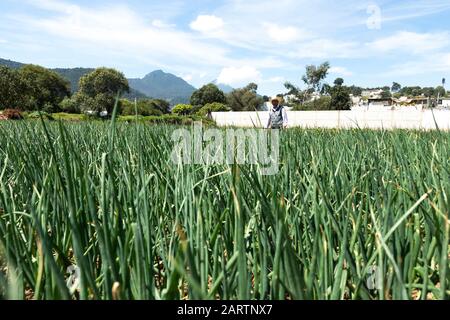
{"x": 224, "y": 87}
{"x": 161, "y": 85}
{"x": 157, "y": 84}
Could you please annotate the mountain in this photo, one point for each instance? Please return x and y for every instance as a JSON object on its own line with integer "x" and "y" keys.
{"x": 161, "y": 85}
{"x": 73, "y": 75}
{"x": 224, "y": 87}
{"x": 157, "y": 84}
{"x": 10, "y": 64}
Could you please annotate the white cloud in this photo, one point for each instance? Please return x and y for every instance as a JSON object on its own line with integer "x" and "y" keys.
{"x": 411, "y": 42}
{"x": 276, "y": 79}
{"x": 161, "y": 24}
{"x": 187, "y": 77}
{"x": 283, "y": 34}
{"x": 326, "y": 49}
{"x": 341, "y": 71}
{"x": 207, "y": 24}
{"x": 119, "y": 30}
{"x": 239, "y": 76}
{"x": 433, "y": 63}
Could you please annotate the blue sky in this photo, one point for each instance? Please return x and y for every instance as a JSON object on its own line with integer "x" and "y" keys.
{"x": 368, "y": 43}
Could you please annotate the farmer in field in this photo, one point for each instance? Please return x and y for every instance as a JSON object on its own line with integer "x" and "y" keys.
{"x": 277, "y": 116}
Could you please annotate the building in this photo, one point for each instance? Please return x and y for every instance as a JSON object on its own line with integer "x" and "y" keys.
{"x": 445, "y": 102}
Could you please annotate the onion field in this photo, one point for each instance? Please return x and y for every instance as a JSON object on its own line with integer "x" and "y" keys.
{"x": 99, "y": 211}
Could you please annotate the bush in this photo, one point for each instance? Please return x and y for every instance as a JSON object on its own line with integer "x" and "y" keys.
{"x": 42, "y": 88}
{"x": 12, "y": 114}
{"x": 69, "y": 116}
{"x": 323, "y": 103}
{"x": 212, "y": 107}
{"x": 167, "y": 119}
{"x": 37, "y": 115}
{"x": 144, "y": 108}
{"x": 69, "y": 105}
{"x": 182, "y": 109}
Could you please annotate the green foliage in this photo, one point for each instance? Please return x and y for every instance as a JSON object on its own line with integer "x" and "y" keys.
{"x": 212, "y": 107}
{"x": 315, "y": 75}
{"x": 84, "y": 103}
{"x": 69, "y": 116}
{"x": 99, "y": 89}
{"x": 321, "y": 104}
{"x": 159, "y": 104}
{"x": 31, "y": 88}
{"x": 37, "y": 115}
{"x": 440, "y": 91}
{"x": 142, "y": 107}
{"x": 347, "y": 205}
{"x": 12, "y": 89}
{"x": 182, "y": 109}
{"x": 396, "y": 87}
{"x": 245, "y": 99}
{"x": 43, "y": 88}
{"x": 70, "y": 105}
{"x": 340, "y": 96}
{"x": 209, "y": 93}
{"x": 167, "y": 119}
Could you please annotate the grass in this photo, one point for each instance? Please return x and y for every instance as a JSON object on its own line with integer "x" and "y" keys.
{"x": 69, "y": 116}
{"x": 108, "y": 200}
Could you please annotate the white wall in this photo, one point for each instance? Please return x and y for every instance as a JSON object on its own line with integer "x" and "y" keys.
{"x": 387, "y": 119}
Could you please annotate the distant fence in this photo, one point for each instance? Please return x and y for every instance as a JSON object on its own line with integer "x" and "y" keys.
{"x": 380, "y": 119}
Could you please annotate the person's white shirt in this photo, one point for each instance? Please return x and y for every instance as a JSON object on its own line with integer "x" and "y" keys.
{"x": 284, "y": 113}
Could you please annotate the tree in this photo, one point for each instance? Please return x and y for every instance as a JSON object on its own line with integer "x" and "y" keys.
{"x": 440, "y": 91}
{"x": 43, "y": 88}
{"x": 159, "y": 104}
{"x": 356, "y": 91}
{"x": 429, "y": 92}
{"x": 103, "y": 85}
{"x": 209, "y": 93}
{"x": 245, "y": 99}
{"x": 386, "y": 94}
{"x": 144, "y": 108}
{"x": 11, "y": 89}
{"x": 213, "y": 107}
{"x": 340, "y": 96}
{"x": 339, "y": 82}
{"x": 182, "y": 109}
{"x": 69, "y": 105}
{"x": 315, "y": 75}
{"x": 396, "y": 87}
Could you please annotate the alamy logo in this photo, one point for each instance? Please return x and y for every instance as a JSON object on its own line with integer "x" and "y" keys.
{"x": 258, "y": 147}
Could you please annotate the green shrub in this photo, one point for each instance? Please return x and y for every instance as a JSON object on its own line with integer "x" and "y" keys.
{"x": 37, "y": 115}
{"x": 145, "y": 107}
{"x": 183, "y": 109}
{"x": 213, "y": 107}
{"x": 321, "y": 104}
{"x": 69, "y": 116}
{"x": 70, "y": 105}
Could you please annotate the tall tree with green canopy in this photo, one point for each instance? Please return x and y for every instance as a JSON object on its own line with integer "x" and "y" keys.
{"x": 12, "y": 89}
{"x": 103, "y": 85}
{"x": 396, "y": 87}
{"x": 44, "y": 89}
{"x": 209, "y": 93}
{"x": 315, "y": 75}
{"x": 245, "y": 99}
{"x": 340, "y": 96}
{"x": 313, "y": 79}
